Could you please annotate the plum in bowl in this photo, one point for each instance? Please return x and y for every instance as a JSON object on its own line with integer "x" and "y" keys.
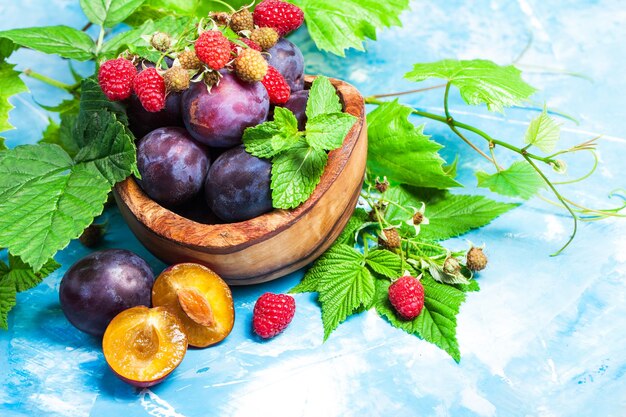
{"x": 273, "y": 244}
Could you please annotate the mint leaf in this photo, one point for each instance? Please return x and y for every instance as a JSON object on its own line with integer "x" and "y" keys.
{"x": 271, "y": 138}
{"x": 519, "y": 180}
{"x": 10, "y": 85}
{"x": 327, "y": 131}
{"x": 295, "y": 174}
{"x": 64, "y": 41}
{"x": 479, "y": 81}
{"x": 344, "y": 285}
{"x": 323, "y": 98}
{"x": 336, "y": 26}
{"x": 400, "y": 151}
{"x": 437, "y": 321}
{"x": 384, "y": 263}
{"x": 109, "y": 13}
{"x": 17, "y": 276}
{"x": 543, "y": 132}
{"x": 48, "y": 199}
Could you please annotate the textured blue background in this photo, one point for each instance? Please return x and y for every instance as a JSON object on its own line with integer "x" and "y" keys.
{"x": 544, "y": 337}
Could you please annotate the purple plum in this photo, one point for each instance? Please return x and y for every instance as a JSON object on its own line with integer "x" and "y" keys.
{"x": 288, "y": 60}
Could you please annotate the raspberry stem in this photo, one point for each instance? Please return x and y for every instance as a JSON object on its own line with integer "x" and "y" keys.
{"x": 50, "y": 81}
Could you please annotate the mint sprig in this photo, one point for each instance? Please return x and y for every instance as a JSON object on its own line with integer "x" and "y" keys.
{"x": 299, "y": 158}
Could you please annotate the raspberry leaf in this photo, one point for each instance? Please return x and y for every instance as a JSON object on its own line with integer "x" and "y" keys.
{"x": 108, "y": 13}
{"x": 323, "y": 99}
{"x": 336, "y": 26}
{"x": 16, "y": 277}
{"x": 449, "y": 215}
{"x": 543, "y": 132}
{"x": 295, "y": 174}
{"x": 519, "y": 180}
{"x": 42, "y": 182}
{"x": 479, "y": 81}
{"x": 327, "y": 131}
{"x": 356, "y": 223}
{"x": 384, "y": 263}
{"x": 437, "y": 321}
{"x": 345, "y": 285}
{"x": 64, "y": 41}
{"x": 10, "y": 85}
{"x": 396, "y": 148}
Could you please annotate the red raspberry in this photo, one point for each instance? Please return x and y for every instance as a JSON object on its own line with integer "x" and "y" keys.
{"x": 251, "y": 44}
{"x": 276, "y": 86}
{"x": 213, "y": 48}
{"x": 272, "y": 314}
{"x": 116, "y": 78}
{"x": 280, "y": 15}
{"x": 407, "y": 297}
{"x": 150, "y": 88}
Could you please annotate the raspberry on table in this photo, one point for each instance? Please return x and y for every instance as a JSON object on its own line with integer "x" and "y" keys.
{"x": 277, "y": 87}
{"x": 406, "y": 295}
{"x": 116, "y": 78}
{"x": 149, "y": 87}
{"x": 272, "y": 314}
{"x": 213, "y": 48}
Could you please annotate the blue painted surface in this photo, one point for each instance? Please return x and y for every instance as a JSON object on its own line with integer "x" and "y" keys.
{"x": 544, "y": 337}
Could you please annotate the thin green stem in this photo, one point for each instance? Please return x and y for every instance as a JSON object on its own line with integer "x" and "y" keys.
{"x": 584, "y": 177}
{"x": 70, "y": 88}
{"x": 223, "y": 3}
{"x": 561, "y": 199}
{"x": 404, "y": 93}
{"x": 100, "y": 40}
{"x": 445, "y": 104}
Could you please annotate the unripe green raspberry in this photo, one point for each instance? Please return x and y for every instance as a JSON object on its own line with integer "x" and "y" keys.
{"x": 161, "y": 41}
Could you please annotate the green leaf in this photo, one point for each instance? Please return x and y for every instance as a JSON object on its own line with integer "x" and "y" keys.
{"x": 479, "y": 81}
{"x": 519, "y": 180}
{"x": 323, "y": 98}
{"x": 2, "y": 145}
{"x": 10, "y": 85}
{"x": 357, "y": 221}
{"x": 385, "y": 263}
{"x": 449, "y": 215}
{"x": 295, "y": 174}
{"x": 6, "y": 48}
{"x": 271, "y": 138}
{"x": 543, "y": 132}
{"x": 437, "y": 321}
{"x": 109, "y": 13}
{"x": 64, "y": 41}
{"x": 157, "y": 9}
{"x": 400, "y": 151}
{"x": 48, "y": 199}
{"x": 338, "y": 25}
{"x": 7, "y": 302}
{"x": 17, "y": 276}
{"x": 92, "y": 102}
{"x": 344, "y": 285}
{"x": 328, "y": 131}
{"x": 22, "y": 276}
{"x": 135, "y": 39}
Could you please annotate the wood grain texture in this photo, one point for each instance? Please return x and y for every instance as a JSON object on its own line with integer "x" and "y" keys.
{"x": 269, "y": 246}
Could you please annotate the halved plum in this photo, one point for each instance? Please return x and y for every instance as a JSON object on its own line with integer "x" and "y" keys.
{"x": 144, "y": 345}
{"x": 200, "y": 299}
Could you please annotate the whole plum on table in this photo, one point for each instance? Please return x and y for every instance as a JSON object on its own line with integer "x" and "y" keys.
{"x": 172, "y": 165}
{"x": 142, "y": 122}
{"x": 218, "y": 118}
{"x": 289, "y": 61}
{"x": 237, "y": 187}
{"x": 101, "y": 285}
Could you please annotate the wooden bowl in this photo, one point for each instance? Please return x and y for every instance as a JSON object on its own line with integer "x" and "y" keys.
{"x": 271, "y": 245}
